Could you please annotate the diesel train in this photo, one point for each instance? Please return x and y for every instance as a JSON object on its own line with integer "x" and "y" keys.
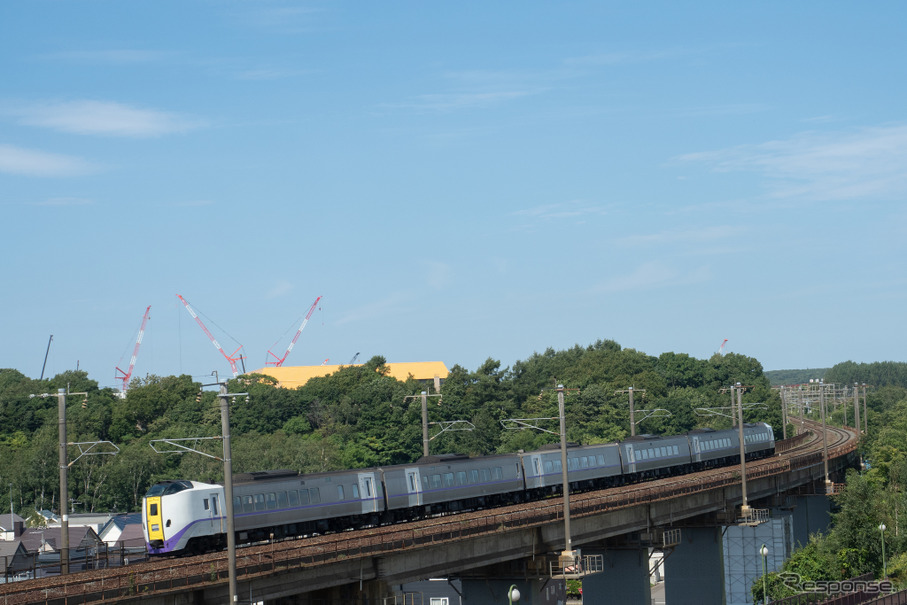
{"x": 182, "y": 516}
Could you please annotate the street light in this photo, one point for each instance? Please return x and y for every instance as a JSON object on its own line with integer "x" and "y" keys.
{"x": 884, "y": 566}
{"x": 764, "y": 552}
{"x": 513, "y": 595}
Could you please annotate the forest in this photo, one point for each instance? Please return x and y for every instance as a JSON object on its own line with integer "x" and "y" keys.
{"x": 360, "y": 417}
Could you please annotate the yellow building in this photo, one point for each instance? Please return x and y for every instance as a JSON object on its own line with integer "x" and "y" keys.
{"x": 428, "y": 372}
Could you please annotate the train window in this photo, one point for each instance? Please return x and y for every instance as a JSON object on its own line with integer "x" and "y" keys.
{"x": 601, "y": 460}
{"x": 558, "y": 467}
{"x": 498, "y": 473}
{"x": 571, "y": 464}
{"x": 436, "y": 481}
{"x": 448, "y": 479}
{"x": 461, "y": 477}
{"x": 368, "y": 487}
{"x": 676, "y": 451}
{"x": 425, "y": 481}
{"x": 584, "y": 462}
{"x": 664, "y": 451}
{"x": 340, "y": 493}
{"x": 259, "y": 501}
{"x": 412, "y": 482}
{"x": 237, "y": 504}
{"x": 205, "y": 503}
{"x": 304, "y": 497}
{"x": 153, "y": 511}
{"x": 315, "y": 495}
{"x": 549, "y": 466}
{"x": 486, "y": 476}
{"x": 473, "y": 476}
{"x": 247, "y": 505}
{"x": 282, "y": 500}
{"x": 271, "y": 500}
{"x": 294, "y": 497}
{"x": 355, "y": 491}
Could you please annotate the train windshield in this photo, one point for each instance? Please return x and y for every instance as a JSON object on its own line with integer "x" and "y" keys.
{"x": 166, "y": 488}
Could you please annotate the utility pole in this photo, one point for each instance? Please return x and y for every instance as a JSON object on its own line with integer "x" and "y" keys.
{"x": 424, "y": 396}
{"x": 228, "y": 489}
{"x": 64, "y": 485}
{"x": 856, "y": 406}
{"x": 568, "y": 550}
{"x": 824, "y": 435}
{"x": 631, "y": 390}
{"x": 865, "y": 414}
{"x": 745, "y": 508}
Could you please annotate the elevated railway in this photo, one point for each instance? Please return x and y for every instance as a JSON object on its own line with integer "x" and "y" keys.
{"x": 334, "y": 558}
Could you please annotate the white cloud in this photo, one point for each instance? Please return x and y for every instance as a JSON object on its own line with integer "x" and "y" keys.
{"x": 461, "y": 100}
{"x": 563, "y": 210}
{"x": 122, "y": 56}
{"x": 871, "y": 162}
{"x": 101, "y": 118}
{"x": 699, "y": 235}
{"x": 279, "y": 289}
{"x": 28, "y": 162}
{"x": 65, "y": 201}
{"x": 653, "y": 275}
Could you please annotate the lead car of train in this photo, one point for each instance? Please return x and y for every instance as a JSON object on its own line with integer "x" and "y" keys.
{"x": 182, "y": 516}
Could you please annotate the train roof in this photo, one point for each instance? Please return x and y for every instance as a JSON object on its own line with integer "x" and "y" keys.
{"x": 264, "y": 475}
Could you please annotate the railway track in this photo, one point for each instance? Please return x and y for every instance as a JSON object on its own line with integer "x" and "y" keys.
{"x": 210, "y": 569}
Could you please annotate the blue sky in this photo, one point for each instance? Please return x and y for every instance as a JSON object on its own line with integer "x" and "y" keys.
{"x": 457, "y": 180}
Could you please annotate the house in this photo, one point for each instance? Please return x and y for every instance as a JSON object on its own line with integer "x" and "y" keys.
{"x": 123, "y": 532}
{"x": 11, "y": 526}
{"x": 48, "y": 539}
{"x": 14, "y": 559}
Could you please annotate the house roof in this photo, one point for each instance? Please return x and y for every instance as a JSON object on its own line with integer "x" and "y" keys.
{"x": 78, "y": 536}
{"x": 6, "y": 524}
{"x": 296, "y": 376}
{"x": 122, "y": 521}
{"x": 12, "y": 548}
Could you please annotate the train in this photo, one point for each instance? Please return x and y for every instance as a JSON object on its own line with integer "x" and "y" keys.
{"x": 188, "y": 517}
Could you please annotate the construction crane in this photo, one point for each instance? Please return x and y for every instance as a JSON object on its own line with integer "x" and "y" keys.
{"x": 230, "y": 358}
{"x": 280, "y": 360}
{"x": 721, "y": 348}
{"x": 138, "y": 342}
{"x": 353, "y": 360}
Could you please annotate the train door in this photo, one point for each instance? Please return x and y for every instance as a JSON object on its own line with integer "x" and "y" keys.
{"x": 218, "y": 518}
{"x": 153, "y": 516}
{"x": 694, "y": 448}
{"x": 414, "y": 486}
{"x": 535, "y": 476}
{"x": 368, "y": 493}
{"x": 629, "y": 458}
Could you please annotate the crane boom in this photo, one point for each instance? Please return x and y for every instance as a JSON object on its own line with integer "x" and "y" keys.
{"x": 230, "y": 358}
{"x": 138, "y": 342}
{"x": 280, "y": 360}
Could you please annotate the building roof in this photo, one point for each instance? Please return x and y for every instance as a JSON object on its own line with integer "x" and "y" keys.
{"x": 12, "y": 548}
{"x": 34, "y": 538}
{"x": 296, "y": 376}
{"x": 6, "y": 524}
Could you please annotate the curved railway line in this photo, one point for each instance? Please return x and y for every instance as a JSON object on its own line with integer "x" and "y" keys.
{"x": 172, "y": 575}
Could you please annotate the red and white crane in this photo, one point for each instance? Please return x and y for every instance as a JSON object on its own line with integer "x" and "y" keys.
{"x": 721, "y": 348}
{"x": 230, "y": 358}
{"x": 280, "y": 360}
{"x": 138, "y": 342}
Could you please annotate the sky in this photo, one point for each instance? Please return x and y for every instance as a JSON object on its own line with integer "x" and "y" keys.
{"x": 457, "y": 181}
